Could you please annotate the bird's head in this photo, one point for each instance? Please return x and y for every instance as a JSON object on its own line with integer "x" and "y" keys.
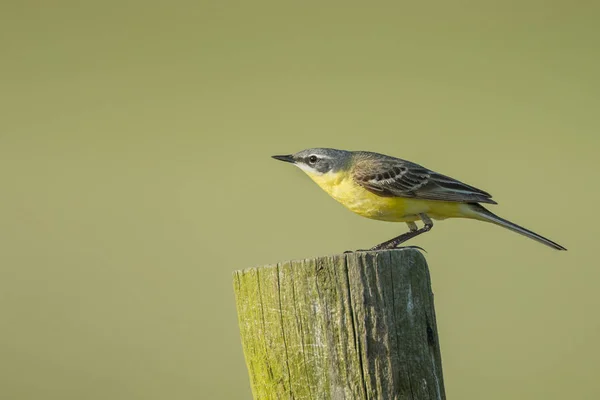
{"x": 319, "y": 161}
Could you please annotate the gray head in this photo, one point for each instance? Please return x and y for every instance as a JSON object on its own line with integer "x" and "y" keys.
{"x": 319, "y": 160}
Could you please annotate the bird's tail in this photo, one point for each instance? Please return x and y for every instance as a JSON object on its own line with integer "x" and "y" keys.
{"x": 482, "y": 214}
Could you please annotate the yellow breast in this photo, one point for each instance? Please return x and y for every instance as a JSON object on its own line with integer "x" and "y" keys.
{"x": 344, "y": 189}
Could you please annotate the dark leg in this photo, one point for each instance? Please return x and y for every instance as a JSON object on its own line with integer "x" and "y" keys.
{"x": 393, "y": 243}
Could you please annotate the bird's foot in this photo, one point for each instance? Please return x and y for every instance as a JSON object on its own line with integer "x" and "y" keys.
{"x": 378, "y": 248}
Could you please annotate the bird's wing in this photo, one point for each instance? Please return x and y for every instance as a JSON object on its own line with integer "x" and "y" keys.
{"x": 393, "y": 177}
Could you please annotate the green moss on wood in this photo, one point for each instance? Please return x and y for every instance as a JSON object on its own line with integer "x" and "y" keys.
{"x": 352, "y": 326}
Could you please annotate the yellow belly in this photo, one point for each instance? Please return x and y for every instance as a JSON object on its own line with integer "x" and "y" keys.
{"x": 395, "y": 209}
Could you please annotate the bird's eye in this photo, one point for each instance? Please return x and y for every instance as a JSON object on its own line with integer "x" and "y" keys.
{"x": 312, "y": 159}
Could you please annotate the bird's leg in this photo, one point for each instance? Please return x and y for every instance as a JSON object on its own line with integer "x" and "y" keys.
{"x": 393, "y": 243}
{"x": 412, "y": 226}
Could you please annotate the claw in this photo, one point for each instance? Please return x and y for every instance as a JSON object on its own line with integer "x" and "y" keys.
{"x": 413, "y": 247}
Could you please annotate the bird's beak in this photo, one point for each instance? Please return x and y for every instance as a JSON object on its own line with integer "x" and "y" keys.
{"x": 287, "y": 158}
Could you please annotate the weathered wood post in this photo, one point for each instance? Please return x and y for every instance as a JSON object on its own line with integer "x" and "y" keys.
{"x": 350, "y": 326}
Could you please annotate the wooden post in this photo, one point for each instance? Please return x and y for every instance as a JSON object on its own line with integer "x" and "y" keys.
{"x": 350, "y": 326}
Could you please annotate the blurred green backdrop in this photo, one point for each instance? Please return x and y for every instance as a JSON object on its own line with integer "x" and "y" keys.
{"x": 135, "y": 143}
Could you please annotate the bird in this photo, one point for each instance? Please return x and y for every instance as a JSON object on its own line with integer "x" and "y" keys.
{"x": 387, "y": 188}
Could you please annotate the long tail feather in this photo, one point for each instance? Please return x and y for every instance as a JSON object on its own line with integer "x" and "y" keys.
{"x": 483, "y": 214}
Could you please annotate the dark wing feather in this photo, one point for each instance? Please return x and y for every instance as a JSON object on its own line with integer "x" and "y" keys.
{"x": 393, "y": 177}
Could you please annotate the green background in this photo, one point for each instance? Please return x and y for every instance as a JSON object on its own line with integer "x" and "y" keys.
{"x": 135, "y": 172}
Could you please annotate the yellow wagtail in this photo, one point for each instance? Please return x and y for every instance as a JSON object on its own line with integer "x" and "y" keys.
{"x": 390, "y": 189}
